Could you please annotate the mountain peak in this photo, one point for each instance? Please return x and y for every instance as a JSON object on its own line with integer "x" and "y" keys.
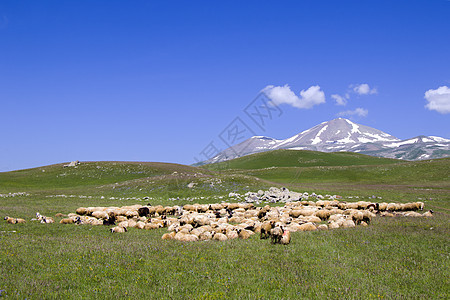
{"x": 344, "y": 135}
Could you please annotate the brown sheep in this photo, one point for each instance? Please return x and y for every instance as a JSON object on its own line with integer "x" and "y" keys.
{"x": 10, "y": 220}
{"x": 265, "y": 229}
{"x": 276, "y": 234}
{"x": 243, "y": 234}
{"x": 168, "y": 236}
{"x": 66, "y": 221}
{"x": 219, "y": 236}
{"x": 323, "y": 214}
{"x": 307, "y": 227}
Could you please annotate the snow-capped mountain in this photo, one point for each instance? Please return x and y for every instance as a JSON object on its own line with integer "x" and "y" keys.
{"x": 344, "y": 135}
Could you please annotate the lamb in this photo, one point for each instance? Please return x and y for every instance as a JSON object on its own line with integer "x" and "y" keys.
{"x": 286, "y": 238}
{"x": 118, "y": 229}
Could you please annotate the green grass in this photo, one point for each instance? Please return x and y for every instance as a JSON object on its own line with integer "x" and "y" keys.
{"x": 393, "y": 258}
{"x": 299, "y": 158}
{"x": 437, "y": 171}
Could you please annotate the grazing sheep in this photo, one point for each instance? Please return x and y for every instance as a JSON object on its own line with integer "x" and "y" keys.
{"x": 66, "y": 221}
{"x": 323, "y": 214}
{"x": 168, "y": 236}
{"x": 420, "y": 205}
{"x": 348, "y": 223}
{"x": 110, "y": 221}
{"x": 185, "y": 237}
{"x": 307, "y": 227}
{"x": 100, "y": 215}
{"x": 140, "y": 225}
{"x": 265, "y": 229}
{"x": 286, "y": 238}
{"x": 322, "y": 227}
{"x": 150, "y": 226}
{"x": 232, "y": 234}
{"x": 205, "y": 236}
{"x": 81, "y": 211}
{"x": 118, "y": 229}
{"x": 131, "y": 214}
{"x": 143, "y": 211}
{"x": 312, "y": 219}
{"x": 217, "y": 236}
{"x": 333, "y": 225}
{"x": 243, "y": 234}
{"x": 276, "y": 234}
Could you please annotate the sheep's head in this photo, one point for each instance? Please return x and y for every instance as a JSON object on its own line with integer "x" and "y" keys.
{"x": 5, "y": 218}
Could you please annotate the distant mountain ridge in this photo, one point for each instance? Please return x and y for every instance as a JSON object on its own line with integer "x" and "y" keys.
{"x": 344, "y": 135}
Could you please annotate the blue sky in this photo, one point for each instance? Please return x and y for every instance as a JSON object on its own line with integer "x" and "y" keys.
{"x": 159, "y": 81}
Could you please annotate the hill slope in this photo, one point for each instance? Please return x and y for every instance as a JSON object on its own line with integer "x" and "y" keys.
{"x": 90, "y": 174}
{"x": 299, "y": 158}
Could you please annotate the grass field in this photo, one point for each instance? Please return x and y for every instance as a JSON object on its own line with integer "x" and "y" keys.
{"x": 394, "y": 258}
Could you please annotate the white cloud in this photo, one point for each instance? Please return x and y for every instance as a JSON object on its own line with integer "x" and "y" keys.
{"x": 363, "y": 89}
{"x": 360, "y": 112}
{"x": 339, "y": 99}
{"x": 439, "y": 99}
{"x": 284, "y": 95}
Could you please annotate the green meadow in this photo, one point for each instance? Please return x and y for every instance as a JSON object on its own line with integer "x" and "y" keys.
{"x": 393, "y": 258}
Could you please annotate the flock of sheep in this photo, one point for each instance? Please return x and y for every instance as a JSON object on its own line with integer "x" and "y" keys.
{"x": 224, "y": 221}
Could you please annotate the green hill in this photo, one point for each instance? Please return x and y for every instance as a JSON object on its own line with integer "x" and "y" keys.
{"x": 436, "y": 171}
{"x": 90, "y": 174}
{"x": 299, "y": 158}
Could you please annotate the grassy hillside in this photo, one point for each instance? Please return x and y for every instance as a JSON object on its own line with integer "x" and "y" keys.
{"x": 299, "y": 158}
{"x": 89, "y": 174}
{"x": 392, "y": 258}
{"x": 401, "y": 173}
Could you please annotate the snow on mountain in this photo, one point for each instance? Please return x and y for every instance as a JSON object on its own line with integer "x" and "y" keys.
{"x": 344, "y": 135}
